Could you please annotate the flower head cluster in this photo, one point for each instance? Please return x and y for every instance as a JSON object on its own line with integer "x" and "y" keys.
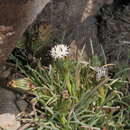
{"x": 101, "y": 72}
{"x": 59, "y": 51}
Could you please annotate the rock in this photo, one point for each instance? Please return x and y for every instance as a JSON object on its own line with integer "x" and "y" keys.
{"x": 114, "y": 34}
{"x": 8, "y": 121}
{"x": 22, "y": 104}
{"x": 19, "y": 15}
{"x": 73, "y": 20}
{"x": 8, "y": 110}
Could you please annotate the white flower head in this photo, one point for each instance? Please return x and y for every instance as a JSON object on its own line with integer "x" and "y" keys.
{"x": 59, "y": 51}
{"x": 101, "y": 72}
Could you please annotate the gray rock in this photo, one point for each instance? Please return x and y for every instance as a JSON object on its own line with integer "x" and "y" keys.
{"x": 8, "y": 110}
{"x": 22, "y": 105}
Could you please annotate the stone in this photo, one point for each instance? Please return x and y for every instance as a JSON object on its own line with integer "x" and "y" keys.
{"x": 8, "y": 121}
{"x": 19, "y": 15}
{"x": 8, "y": 110}
{"x": 22, "y": 104}
{"x": 74, "y": 20}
